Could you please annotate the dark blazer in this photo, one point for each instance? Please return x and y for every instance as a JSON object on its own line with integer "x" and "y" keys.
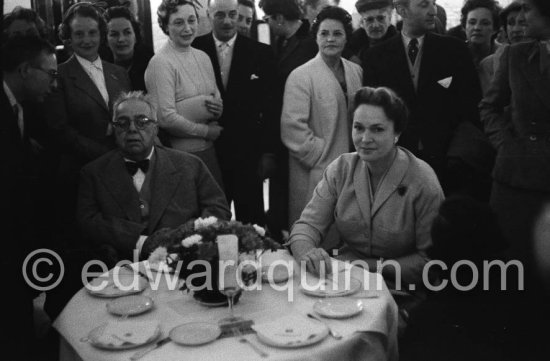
{"x": 136, "y": 70}
{"x": 182, "y": 189}
{"x": 248, "y": 106}
{"x": 522, "y": 139}
{"x": 77, "y": 113}
{"x": 435, "y": 111}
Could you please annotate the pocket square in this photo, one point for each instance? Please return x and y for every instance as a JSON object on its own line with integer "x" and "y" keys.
{"x": 446, "y": 82}
{"x": 254, "y": 76}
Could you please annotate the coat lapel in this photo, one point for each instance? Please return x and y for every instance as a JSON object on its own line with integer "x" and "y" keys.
{"x": 82, "y": 81}
{"x": 119, "y": 183}
{"x": 534, "y": 71}
{"x": 360, "y": 184}
{"x": 391, "y": 181}
{"x": 112, "y": 83}
{"x": 164, "y": 184}
{"x": 210, "y": 49}
{"x": 428, "y": 61}
{"x": 400, "y": 67}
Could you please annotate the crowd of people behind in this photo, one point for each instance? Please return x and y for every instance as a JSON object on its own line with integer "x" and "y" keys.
{"x": 382, "y": 142}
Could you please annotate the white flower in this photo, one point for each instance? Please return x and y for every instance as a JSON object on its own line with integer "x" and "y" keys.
{"x": 191, "y": 240}
{"x": 159, "y": 255}
{"x": 204, "y": 222}
{"x": 259, "y": 230}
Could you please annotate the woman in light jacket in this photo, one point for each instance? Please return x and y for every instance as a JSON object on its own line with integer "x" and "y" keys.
{"x": 382, "y": 199}
{"x": 315, "y": 121}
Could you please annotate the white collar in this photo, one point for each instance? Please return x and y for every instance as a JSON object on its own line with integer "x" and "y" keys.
{"x": 407, "y": 40}
{"x": 11, "y": 97}
{"x": 546, "y": 43}
{"x": 148, "y": 157}
{"x": 88, "y": 64}
{"x": 230, "y": 42}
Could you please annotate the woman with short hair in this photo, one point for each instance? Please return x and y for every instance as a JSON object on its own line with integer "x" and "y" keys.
{"x": 381, "y": 198}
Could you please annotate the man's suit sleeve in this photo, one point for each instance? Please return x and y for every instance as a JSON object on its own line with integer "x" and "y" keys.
{"x": 498, "y": 96}
{"x": 69, "y": 139}
{"x": 119, "y": 233}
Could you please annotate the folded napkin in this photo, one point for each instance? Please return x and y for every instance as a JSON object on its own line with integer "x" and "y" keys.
{"x": 127, "y": 332}
{"x": 290, "y": 330}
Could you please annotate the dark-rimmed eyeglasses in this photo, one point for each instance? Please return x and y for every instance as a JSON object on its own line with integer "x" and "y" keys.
{"x": 141, "y": 123}
{"x": 54, "y": 75}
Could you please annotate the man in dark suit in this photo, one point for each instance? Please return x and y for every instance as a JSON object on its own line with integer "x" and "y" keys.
{"x": 29, "y": 71}
{"x": 245, "y": 73}
{"x": 130, "y": 192}
{"x": 434, "y": 75}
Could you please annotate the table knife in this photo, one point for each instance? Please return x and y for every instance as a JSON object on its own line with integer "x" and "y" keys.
{"x": 145, "y": 351}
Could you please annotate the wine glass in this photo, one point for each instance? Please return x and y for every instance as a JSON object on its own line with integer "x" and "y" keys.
{"x": 230, "y": 288}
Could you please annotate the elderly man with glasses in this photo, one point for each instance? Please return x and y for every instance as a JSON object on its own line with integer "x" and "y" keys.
{"x": 141, "y": 187}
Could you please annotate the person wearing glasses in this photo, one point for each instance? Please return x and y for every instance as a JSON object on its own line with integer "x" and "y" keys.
{"x": 181, "y": 80}
{"x": 140, "y": 187}
{"x": 28, "y": 63}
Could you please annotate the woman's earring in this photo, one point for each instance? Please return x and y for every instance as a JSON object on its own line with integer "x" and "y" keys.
{"x": 395, "y": 140}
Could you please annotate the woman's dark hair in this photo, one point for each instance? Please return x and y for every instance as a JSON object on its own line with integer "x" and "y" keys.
{"x": 333, "y": 13}
{"x": 387, "y": 99}
{"x": 123, "y": 12}
{"x": 543, "y": 7}
{"x": 512, "y": 8}
{"x": 289, "y": 9}
{"x": 169, "y": 7}
{"x": 490, "y": 5}
{"x": 28, "y": 15}
{"x": 85, "y": 10}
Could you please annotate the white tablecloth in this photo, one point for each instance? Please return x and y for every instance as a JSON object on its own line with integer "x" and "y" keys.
{"x": 371, "y": 335}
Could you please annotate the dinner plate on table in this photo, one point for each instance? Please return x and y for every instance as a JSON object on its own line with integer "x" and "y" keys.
{"x": 130, "y": 305}
{"x": 106, "y": 287}
{"x": 195, "y": 333}
{"x": 338, "y": 307}
{"x": 277, "y": 274}
{"x": 291, "y": 331}
{"x": 342, "y": 285}
{"x": 123, "y": 335}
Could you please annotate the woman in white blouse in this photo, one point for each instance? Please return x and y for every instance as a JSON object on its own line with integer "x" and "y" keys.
{"x": 182, "y": 81}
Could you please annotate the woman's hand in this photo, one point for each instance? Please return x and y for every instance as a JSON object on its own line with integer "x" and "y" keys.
{"x": 214, "y": 130}
{"x": 315, "y": 258}
{"x": 214, "y": 106}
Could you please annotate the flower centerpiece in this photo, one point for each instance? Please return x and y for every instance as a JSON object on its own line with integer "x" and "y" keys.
{"x": 197, "y": 240}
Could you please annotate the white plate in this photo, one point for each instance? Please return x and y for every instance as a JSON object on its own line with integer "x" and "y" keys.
{"x": 289, "y": 343}
{"x": 338, "y": 307}
{"x": 95, "y": 335}
{"x": 329, "y": 288}
{"x": 130, "y": 305}
{"x": 195, "y": 333}
{"x": 112, "y": 289}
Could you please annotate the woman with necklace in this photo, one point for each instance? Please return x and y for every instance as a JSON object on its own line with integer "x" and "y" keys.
{"x": 182, "y": 81}
{"x": 125, "y": 45}
{"x": 315, "y": 120}
{"x": 381, "y": 198}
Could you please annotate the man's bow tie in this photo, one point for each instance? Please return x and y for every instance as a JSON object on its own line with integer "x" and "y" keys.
{"x": 132, "y": 167}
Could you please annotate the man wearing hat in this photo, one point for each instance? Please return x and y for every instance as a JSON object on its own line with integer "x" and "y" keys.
{"x": 375, "y": 26}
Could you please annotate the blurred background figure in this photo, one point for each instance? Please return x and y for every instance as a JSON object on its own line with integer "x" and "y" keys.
{"x": 247, "y": 15}
{"x": 376, "y": 27}
{"x": 313, "y": 7}
{"x": 480, "y": 19}
{"x": 23, "y": 21}
{"x": 514, "y": 28}
{"x": 522, "y": 168}
{"x": 125, "y": 44}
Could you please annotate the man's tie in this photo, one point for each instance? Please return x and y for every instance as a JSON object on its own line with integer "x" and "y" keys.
{"x": 413, "y": 50}
{"x": 132, "y": 167}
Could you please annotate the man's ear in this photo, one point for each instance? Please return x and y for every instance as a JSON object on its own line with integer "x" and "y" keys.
{"x": 401, "y": 10}
{"x": 24, "y": 69}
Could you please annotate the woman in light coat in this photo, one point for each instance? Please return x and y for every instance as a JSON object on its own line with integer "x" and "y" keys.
{"x": 316, "y": 121}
